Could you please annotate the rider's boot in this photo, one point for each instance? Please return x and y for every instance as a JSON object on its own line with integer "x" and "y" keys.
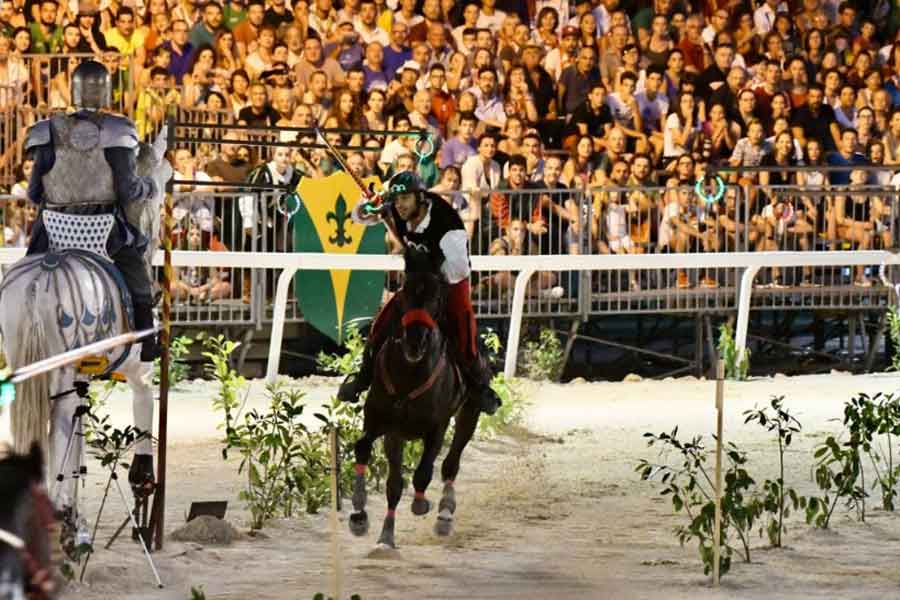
{"x": 478, "y": 378}
{"x": 143, "y": 319}
{"x": 357, "y": 383}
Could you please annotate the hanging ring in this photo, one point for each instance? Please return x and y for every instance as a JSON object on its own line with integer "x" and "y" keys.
{"x": 429, "y": 144}
{"x": 712, "y": 198}
{"x": 281, "y": 205}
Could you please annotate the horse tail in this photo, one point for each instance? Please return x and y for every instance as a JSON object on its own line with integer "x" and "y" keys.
{"x": 30, "y": 413}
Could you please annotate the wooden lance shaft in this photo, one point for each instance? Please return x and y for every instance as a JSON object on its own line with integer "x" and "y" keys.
{"x": 717, "y": 532}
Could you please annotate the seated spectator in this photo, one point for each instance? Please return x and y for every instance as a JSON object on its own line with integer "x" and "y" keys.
{"x": 200, "y": 285}
{"x": 613, "y": 213}
{"x": 591, "y": 118}
{"x": 749, "y": 151}
{"x": 259, "y": 113}
{"x": 857, "y": 216}
{"x": 448, "y": 188}
{"x": 845, "y": 157}
{"x": 15, "y": 226}
{"x": 23, "y": 176}
{"x": 719, "y": 135}
{"x": 580, "y": 166}
{"x": 459, "y": 148}
{"x": 683, "y": 127}
{"x": 816, "y": 120}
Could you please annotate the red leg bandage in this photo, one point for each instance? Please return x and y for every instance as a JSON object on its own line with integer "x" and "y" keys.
{"x": 462, "y": 318}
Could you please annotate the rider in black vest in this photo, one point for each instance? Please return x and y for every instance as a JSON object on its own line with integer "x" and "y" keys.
{"x": 427, "y": 222}
{"x": 84, "y": 163}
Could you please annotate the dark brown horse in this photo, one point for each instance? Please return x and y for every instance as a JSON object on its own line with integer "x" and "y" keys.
{"x": 26, "y": 519}
{"x": 416, "y": 390}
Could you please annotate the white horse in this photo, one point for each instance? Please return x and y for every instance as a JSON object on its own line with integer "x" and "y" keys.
{"x": 56, "y": 302}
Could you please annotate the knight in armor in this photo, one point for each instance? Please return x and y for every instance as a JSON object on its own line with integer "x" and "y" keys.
{"x": 424, "y": 220}
{"x": 84, "y": 163}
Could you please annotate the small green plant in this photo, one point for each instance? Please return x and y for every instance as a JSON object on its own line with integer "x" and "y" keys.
{"x": 778, "y": 500}
{"x": 350, "y": 361}
{"x": 692, "y": 491}
{"x": 321, "y": 596}
{"x": 544, "y": 359}
{"x": 836, "y": 473}
{"x": 873, "y": 423}
{"x": 510, "y": 412}
{"x": 736, "y": 368}
{"x": 97, "y": 399}
{"x": 893, "y": 327}
{"x": 179, "y": 348}
{"x": 197, "y": 593}
{"x": 270, "y": 444}
{"x": 218, "y": 353}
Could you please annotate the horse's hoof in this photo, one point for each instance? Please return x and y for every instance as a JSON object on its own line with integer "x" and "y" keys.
{"x": 444, "y": 525}
{"x": 140, "y": 475}
{"x": 420, "y": 506}
{"x": 359, "y": 523}
{"x": 447, "y": 504}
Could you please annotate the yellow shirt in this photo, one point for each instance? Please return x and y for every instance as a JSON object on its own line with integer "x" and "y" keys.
{"x": 126, "y": 46}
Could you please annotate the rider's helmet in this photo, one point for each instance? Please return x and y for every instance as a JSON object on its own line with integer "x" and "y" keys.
{"x": 91, "y": 86}
{"x": 405, "y": 182}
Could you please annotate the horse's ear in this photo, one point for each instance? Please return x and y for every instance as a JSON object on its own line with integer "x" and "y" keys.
{"x": 36, "y": 462}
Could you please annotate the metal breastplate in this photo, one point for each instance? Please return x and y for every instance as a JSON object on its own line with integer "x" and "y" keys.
{"x": 81, "y": 176}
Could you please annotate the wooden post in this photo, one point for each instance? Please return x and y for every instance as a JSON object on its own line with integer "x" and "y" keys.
{"x": 158, "y": 516}
{"x": 717, "y": 532}
{"x": 335, "y": 542}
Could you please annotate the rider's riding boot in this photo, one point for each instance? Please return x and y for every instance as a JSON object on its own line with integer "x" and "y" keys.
{"x": 143, "y": 319}
{"x": 357, "y": 383}
{"x": 478, "y": 378}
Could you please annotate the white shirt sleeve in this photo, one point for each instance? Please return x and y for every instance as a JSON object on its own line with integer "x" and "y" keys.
{"x": 455, "y": 246}
{"x": 358, "y": 216}
{"x": 247, "y": 207}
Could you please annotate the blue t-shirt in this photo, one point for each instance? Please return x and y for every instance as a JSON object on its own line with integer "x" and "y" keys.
{"x": 374, "y": 78}
{"x": 836, "y": 159}
{"x": 393, "y": 59}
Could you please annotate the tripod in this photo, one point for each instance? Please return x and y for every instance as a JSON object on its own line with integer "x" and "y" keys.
{"x": 111, "y": 461}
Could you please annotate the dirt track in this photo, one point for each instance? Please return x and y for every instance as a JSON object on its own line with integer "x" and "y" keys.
{"x": 551, "y": 511}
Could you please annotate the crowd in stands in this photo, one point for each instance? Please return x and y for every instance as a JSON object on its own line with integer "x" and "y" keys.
{"x": 619, "y": 106}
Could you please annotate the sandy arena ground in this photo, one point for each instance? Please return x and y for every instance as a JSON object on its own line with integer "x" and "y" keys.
{"x": 552, "y": 512}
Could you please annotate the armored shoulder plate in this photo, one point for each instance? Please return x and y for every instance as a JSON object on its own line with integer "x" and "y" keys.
{"x": 38, "y": 134}
{"x": 117, "y": 132}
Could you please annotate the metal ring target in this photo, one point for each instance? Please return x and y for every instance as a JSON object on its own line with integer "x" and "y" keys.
{"x": 281, "y": 204}
{"x": 713, "y": 198}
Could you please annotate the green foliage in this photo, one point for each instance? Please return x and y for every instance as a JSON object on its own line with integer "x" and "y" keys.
{"x": 777, "y": 501}
{"x": 179, "y": 348}
{"x": 893, "y": 326}
{"x": 836, "y": 473}
{"x": 197, "y": 593}
{"x": 271, "y": 445}
{"x": 98, "y": 397}
{"x": 321, "y": 596}
{"x": 218, "y": 353}
{"x": 544, "y": 360}
{"x": 510, "y": 412}
{"x": 692, "y": 491}
{"x": 873, "y": 423}
{"x": 736, "y": 368}
{"x": 350, "y": 361}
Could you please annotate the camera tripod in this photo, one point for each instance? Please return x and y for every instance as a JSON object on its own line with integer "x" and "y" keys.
{"x": 80, "y": 472}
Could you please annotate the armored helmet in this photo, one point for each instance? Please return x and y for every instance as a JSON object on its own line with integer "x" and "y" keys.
{"x": 405, "y": 182}
{"x": 91, "y": 86}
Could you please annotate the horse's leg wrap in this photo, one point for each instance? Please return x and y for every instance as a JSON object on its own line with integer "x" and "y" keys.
{"x": 447, "y": 507}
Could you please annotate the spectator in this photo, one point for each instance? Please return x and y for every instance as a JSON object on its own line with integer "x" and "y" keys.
{"x": 563, "y": 56}
{"x": 247, "y": 32}
{"x": 459, "y": 148}
{"x": 490, "y": 109}
{"x": 181, "y": 50}
{"x": 46, "y": 34}
{"x": 817, "y": 121}
{"x": 314, "y": 60}
{"x": 259, "y": 113}
{"x": 576, "y": 81}
{"x": 846, "y": 156}
{"x": 683, "y": 127}
{"x": 204, "y": 33}
{"x": 278, "y": 14}
{"x": 126, "y": 39}
{"x": 480, "y": 171}
{"x": 200, "y": 284}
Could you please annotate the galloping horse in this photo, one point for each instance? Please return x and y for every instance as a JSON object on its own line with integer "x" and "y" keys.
{"x": 416, "y": 390}
{"x": 25, "y": 519}
{"x": 55, "y": 302}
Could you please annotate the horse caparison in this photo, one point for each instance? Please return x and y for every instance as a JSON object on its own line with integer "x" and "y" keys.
{"x": 417, "y": 389}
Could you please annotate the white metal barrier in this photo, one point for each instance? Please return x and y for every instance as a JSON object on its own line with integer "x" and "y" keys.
{"x": 527, "y": 266}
